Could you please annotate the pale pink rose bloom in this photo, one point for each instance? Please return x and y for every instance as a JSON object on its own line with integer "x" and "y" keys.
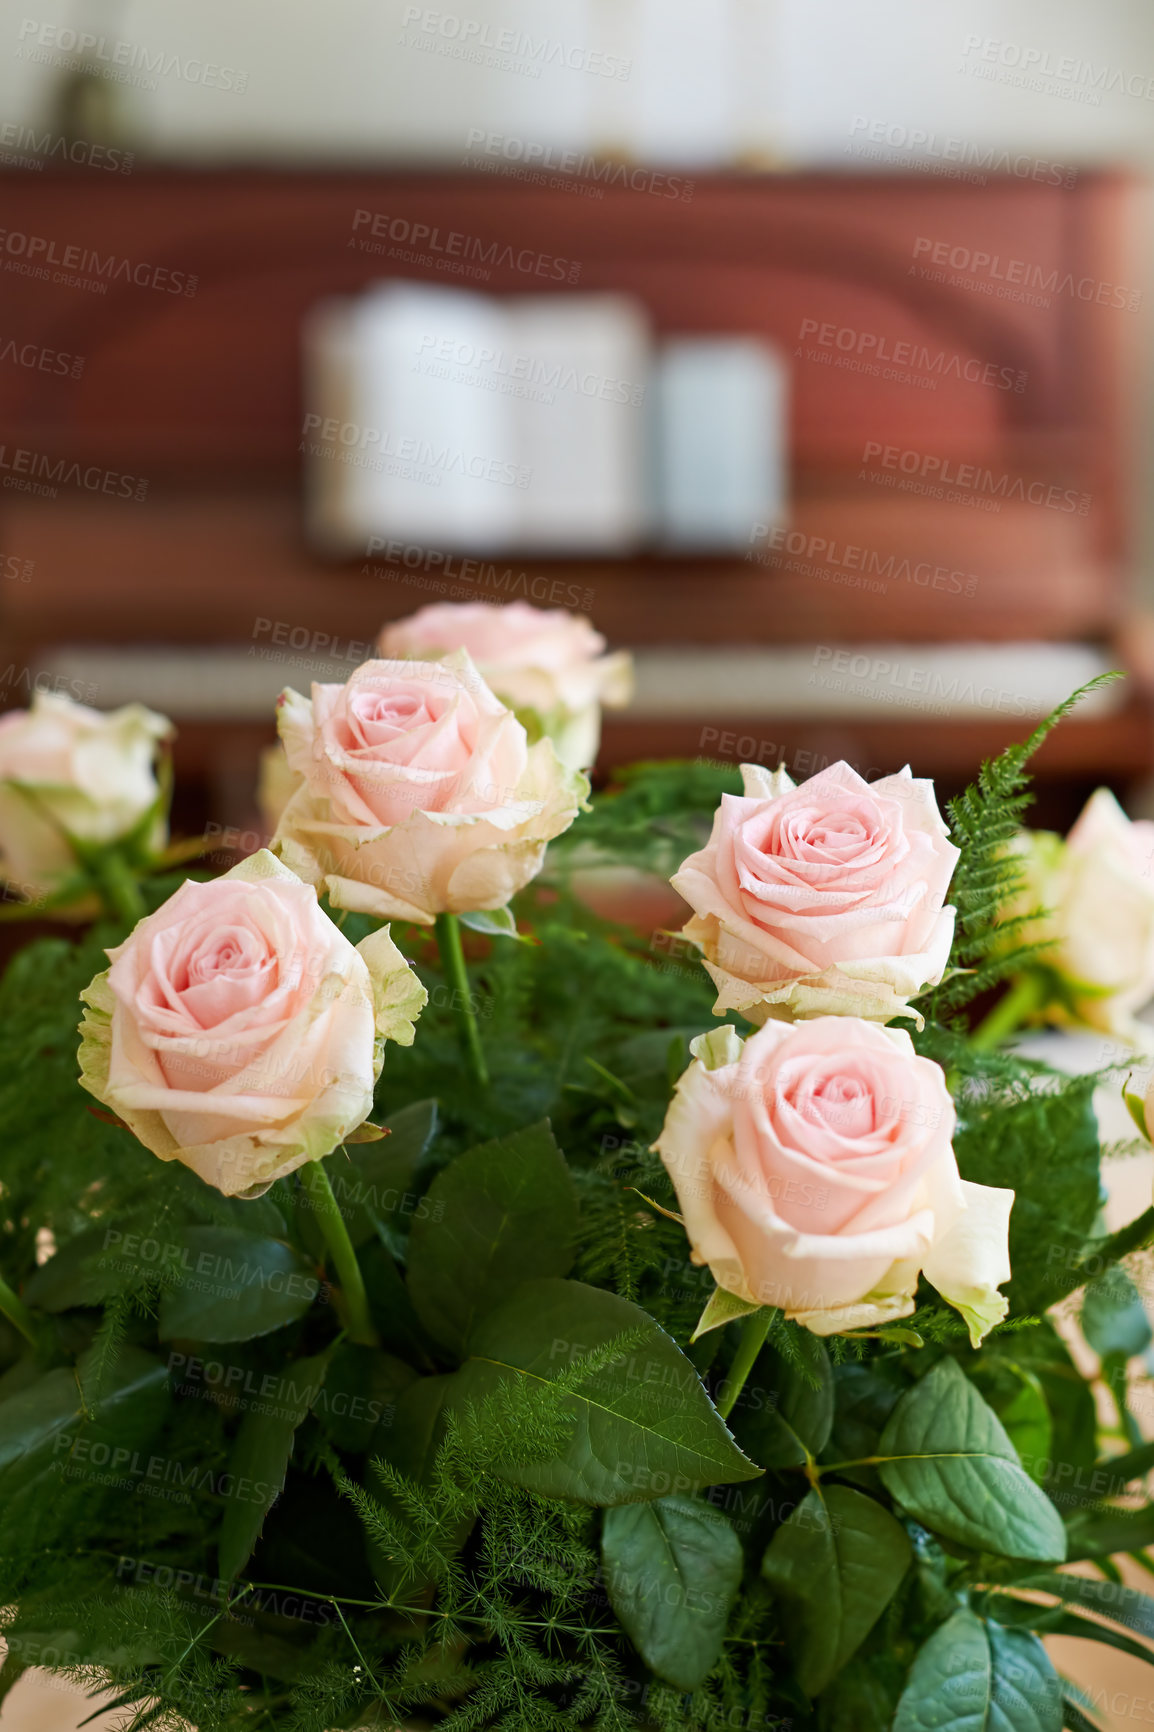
{"x": 547, "y": 664}
{"x": 823, "y": 898}
{"x": 67, "y": 770}
{"x": 418, "y": 793}
{"x": 239, "y": 1032}
{"x": 1098, "y": 889}
{"x": 815, "y": 1171}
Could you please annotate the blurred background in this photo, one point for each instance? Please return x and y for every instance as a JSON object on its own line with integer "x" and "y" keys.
{"x": 802, "y": 344}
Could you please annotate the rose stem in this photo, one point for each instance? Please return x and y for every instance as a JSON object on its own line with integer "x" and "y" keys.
{"x": 753, "y": 1333}
{"x": 16, "y": 1312}
{"x": 448, "y": 931}
{"x": 1029, "y": 993}
{"x": 120, "y": 889}
{"x": 336, "y": 1234}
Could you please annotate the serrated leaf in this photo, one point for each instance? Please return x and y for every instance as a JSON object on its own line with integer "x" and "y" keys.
{"x": 974, "y": 1676}
{"x": 501, "y": 1214}
{"x": 835, "y": 1565}
{"x": 233, "y": 1286}
{"x": 259, "y": 1460}
{"x": 947, "y": 1460}
{"x": 643, "y": 1427}
{"x": 672, "y": 1572}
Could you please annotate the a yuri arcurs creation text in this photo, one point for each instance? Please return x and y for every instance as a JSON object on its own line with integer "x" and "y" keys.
{"x": 426, "y": 1302}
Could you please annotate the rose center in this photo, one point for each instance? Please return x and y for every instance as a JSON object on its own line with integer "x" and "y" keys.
{"x": 826, "y": 838}
{"x": 228, "y": 971}
{"x": 396, "y": 711}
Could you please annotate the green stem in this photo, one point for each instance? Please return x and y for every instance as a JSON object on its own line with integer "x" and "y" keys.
{"x": 1028, "y": 993}
{"x": 120, "y": 888}
{"x": 448, "y": 929}
{"x": 17, "y": 1312}
{"x": 753, "y": 1333}
{"x": 336, "y": 1235}
{"x": 1096, "y": 1253}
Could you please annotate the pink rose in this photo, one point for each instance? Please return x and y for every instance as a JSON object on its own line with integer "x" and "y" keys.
{"x": 239, "y": 1031}
{"x": 418, "y": 792}
{"x": 822, "y": 898}
{"x": 815, "y": 1171}
{"x": 546, "y": 664}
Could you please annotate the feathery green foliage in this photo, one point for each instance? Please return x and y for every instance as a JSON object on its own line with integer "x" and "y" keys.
{"x": 984, "y": 820}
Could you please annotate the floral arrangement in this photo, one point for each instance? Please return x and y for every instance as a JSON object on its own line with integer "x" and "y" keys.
{"x": 427, "y": 1302}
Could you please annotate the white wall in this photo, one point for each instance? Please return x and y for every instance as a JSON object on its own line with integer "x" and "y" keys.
{"x": 705, "y": 80}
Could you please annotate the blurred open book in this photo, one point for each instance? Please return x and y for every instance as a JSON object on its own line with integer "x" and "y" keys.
{"x": 544, "y": 423}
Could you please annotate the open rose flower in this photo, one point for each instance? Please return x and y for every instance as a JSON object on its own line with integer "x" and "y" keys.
{"x": 547, "y": 664}
{"x": 814, "y": 1170}
{"x": 824, "y": 898}
{"x": 419, "y": 793}
{"x": 1097, "y": 891}
{"x": 239, "y": 1031}
{"x": 67, "y": 771}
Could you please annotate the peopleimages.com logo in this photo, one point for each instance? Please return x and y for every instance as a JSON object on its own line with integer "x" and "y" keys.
{"x": 1015, "y": 279}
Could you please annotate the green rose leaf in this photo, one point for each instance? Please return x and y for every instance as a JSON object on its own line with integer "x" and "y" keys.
{"x": 1107, "y": 1599}
{"x": 643, "y": 1426}
{"x": 786, "y": 1407}
{"x": 359, "y": 1394}
{"x": 376, "y": 1184}
{"x": 260, "y": 1458}
{"x": 863, "y": 1402}
{"x": 835, "y": 1565}
{"x": 83, "y": 1272}
{"x": 864, "y": 1695}
{"x": 672, "y": 1571}
{"x": 231, "y": 1286}
{"x": 502, "y": 1213}
{"x": 1016, "y": 1395}
{"x": 1113, "y": 1317}
{"x": 973, "y": 1676}
{"x": 947, "y": 1460}
{"x": 47, "y": 1429}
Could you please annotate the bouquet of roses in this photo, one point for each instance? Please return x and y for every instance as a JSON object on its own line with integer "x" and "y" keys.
{"x": 428, "y": 1302}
